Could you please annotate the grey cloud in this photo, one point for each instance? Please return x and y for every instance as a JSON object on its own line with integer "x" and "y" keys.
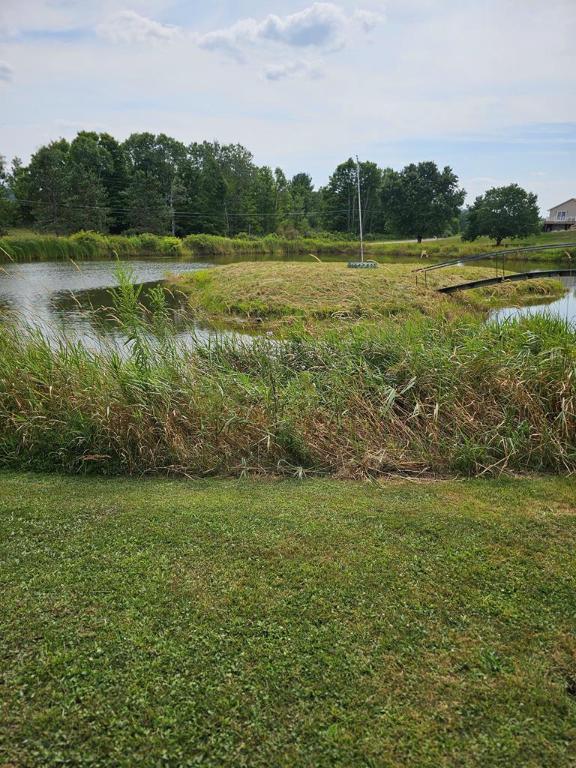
{"x": 292, "y": 69}
{"x": 321, "y": 26}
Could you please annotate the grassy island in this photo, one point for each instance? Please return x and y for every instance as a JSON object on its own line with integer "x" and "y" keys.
{"x": 272, "y": 292}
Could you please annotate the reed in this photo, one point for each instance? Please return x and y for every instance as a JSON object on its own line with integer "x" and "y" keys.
{"x": 424, "y": 396}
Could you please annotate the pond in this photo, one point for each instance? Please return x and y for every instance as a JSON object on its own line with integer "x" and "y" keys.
{"x": 565, "y": 308}
{"x": 60, "y": 296}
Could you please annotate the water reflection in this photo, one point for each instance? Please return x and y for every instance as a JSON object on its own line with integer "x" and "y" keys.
{"x": 565, "y": 308}
{"x": 64, "y": 298}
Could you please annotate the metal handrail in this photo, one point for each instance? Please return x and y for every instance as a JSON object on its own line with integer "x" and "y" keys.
{"x": 493, "y": 254}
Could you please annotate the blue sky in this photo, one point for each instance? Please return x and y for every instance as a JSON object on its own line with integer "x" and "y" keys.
{"x": 486, "y": 86}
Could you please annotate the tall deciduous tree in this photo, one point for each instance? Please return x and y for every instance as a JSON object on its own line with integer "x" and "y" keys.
{"x": 502, "y": 212}
{"x": 421, "y": 200}
{"x": 340, "y": 198}
{"x": 6, "y": 206}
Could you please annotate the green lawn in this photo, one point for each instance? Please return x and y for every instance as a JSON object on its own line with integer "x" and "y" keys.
{"x": 324, "y": 623}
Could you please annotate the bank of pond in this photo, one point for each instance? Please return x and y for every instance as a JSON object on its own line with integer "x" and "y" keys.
{"x": 33, "y": 246}
{"x": 424, "y": 396}
{"x": 348, "y": 373}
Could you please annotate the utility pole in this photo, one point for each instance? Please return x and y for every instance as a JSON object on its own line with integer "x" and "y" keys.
{"x": 360, "y": 210}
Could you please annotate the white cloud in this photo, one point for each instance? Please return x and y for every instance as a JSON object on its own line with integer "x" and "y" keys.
{"x": 321, "y": 26}
{"x": 6, "y": 72}
{"x": 131, "y": 27}
{"x": 20, "y": 16}
{"x": 293, "y": 69}
{"x": 368, "y": 20}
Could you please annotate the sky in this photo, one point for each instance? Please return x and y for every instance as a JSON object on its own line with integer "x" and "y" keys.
{"x": 485, "y": 86}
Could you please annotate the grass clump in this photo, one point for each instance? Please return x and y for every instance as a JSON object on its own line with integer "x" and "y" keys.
{"x": 423, "y": 396}
{"x": 257, "y": 291}
{"x": 287, "y": 624}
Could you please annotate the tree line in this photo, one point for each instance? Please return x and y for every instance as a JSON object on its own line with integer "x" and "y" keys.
{"x": 154, "y": 183}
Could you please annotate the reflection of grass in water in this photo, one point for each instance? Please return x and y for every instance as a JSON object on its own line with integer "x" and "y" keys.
{"x": 96, "y": 305}
{"x": 423, "y": 395}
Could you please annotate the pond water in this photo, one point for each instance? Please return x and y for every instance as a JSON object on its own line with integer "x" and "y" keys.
{"x": 564, "y": 308}
{"x": 60, "y": 296}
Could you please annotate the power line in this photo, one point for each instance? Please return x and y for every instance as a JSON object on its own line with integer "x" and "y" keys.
{"x": 181, "y": 212}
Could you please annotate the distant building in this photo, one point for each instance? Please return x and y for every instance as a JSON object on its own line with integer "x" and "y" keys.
{"x": 562, "y": 216}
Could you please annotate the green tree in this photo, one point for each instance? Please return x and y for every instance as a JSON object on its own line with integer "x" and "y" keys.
{"x": 115, "y": 180}
{"x": 303, "y": 202}
{"x": 421, "y": 200}
{"x": 207, "y": 190}
{"x": 87, "y": 205}
{"x": 502, "y": 212}
{"x": 266, "y": 218}
{"x": 47, "y": 186}
{"x": 154, "y": 168}
{"x": 19, "y": 183}
{"x": 340, "y": 198}
{"x": 6, "y": 204}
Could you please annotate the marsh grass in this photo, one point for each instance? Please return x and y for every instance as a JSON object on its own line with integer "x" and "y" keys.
{"x": 255, "y": 291}
{"x": 423, "y": 396}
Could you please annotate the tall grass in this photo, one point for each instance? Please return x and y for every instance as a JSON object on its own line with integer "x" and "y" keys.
{"x": 422, "y": 396}
{"x": 29, "y": 246}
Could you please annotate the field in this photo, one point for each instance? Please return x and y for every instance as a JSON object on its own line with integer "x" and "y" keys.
{"x": 243, "y": 623}
{"x": 156, "y": 612}
{"x": 254, "y": 291}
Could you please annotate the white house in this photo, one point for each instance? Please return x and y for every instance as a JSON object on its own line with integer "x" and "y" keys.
{"x": 562, "y": 216}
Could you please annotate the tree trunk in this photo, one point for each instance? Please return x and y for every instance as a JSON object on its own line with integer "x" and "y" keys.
{"x": 498, "y": 241}
{"x": 419, "y": 238}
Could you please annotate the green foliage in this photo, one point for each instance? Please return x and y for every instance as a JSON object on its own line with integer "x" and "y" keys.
{"x": 290, "y": 624}
{"x": 422, "y": 395}
{"x": 153, "y": 183}
{"x": 503, "y": 212}
{"x": 6, "y": 205}
{"x": 340, "y": 198}
{"x": 422, "y": 201}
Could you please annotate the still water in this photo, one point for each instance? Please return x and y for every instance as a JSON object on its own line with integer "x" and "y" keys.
{"x": 564, "y": 308}
{"x": 61, "y": 297}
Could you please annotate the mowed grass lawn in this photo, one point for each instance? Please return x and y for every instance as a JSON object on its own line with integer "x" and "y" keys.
{"x": 322, "y": 623}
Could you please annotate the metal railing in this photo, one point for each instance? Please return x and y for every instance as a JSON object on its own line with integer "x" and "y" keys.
{"x": 489, "y": 255}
